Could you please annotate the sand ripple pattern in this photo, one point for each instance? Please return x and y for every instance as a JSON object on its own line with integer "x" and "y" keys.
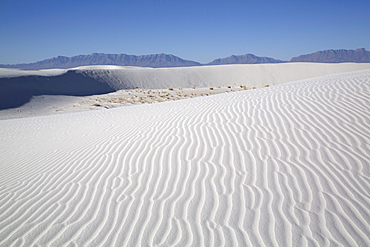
{"x": 281, "y": 166}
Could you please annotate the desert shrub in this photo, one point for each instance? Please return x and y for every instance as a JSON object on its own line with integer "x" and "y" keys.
{"x": 266, "y": 85}
{"x": 211, "y": 88}
{"x": 170, "y": 88}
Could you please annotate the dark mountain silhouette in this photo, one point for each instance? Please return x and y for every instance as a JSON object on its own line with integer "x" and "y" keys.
{"x": 154, "y": 60}
{"x": 335, "y": 56}
{"x": 244, "y": 59}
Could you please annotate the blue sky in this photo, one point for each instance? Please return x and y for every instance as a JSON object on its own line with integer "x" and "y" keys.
{"x": 199, "y": 30}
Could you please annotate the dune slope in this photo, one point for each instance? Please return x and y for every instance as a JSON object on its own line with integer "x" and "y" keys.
{"x": 18, "y": 86}
{"x": 236, "y": 74}
{"x": 281, "y": 166}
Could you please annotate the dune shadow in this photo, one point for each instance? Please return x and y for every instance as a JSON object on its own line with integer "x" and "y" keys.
{"x": 17, "y": 91}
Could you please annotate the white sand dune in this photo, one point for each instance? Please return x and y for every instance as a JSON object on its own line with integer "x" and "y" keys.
{"x": 120, "y": 77}
{"x": 249, "y": 75}
{"x": 10, "y": 73}
{"x": 281, "y": 166}
{"x": 20, "y": 87}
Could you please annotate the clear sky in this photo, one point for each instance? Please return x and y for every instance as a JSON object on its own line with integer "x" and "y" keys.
{"x": 198, "y": 30}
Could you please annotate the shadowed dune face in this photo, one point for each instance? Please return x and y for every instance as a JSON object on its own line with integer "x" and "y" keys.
{"x": 17, "y": 91}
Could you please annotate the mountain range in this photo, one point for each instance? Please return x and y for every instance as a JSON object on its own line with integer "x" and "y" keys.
{"x": 61, "y": 62}
{"x": 166, "y": 60}
{"x": 335, "y": 56}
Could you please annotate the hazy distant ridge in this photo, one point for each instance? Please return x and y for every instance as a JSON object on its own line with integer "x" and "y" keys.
{"x": 61, "y": 62}
{"x": 244, "y": 59}
{"x": 335, "y": 56}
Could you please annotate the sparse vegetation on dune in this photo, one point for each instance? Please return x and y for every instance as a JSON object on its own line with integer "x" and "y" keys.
{"x": 150, "y": 96}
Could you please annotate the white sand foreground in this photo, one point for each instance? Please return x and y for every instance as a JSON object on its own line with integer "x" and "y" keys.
{"x": 286, "y": 165}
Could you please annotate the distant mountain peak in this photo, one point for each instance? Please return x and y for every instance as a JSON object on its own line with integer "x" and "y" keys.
{"x": 244, "y": 59}
{"x": 360, "y": 55}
